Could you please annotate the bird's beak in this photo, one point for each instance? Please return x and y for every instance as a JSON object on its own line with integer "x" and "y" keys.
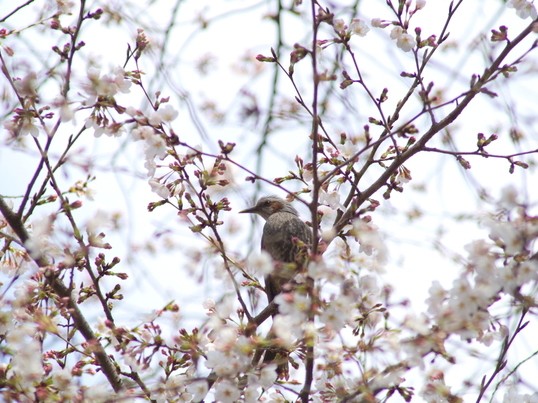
{"x": 249, "y": 210}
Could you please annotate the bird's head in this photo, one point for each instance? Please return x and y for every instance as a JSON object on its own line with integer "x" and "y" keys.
{"x": 269, "y": 205}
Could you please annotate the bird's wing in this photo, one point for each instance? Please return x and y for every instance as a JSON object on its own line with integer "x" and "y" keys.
{"x": 282, "y": 238}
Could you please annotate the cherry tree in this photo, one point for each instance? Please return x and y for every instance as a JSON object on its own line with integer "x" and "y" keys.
{"x": 134, "y": 133}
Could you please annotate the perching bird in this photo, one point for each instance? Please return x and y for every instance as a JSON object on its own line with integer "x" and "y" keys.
{"x": 286, "y": 238}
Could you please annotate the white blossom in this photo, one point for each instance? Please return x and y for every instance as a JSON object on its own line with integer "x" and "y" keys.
{"x": 63, "y": 381}
{"x": 509, "y": 235}
{"x": 331, "y": 199}
{"x": 509, "y": 197}
{"x": 225, "y": 338}
{"x": 219, "y": 361}
{"x": 160, "y": 189}
{"x": 156, "y": 147}
{"x": 359, "y": 27}
{"x": 350, "y": 147}
{"x": 524, "y": 8}
{"x": 339, "y": 25}
{"x": 106, "y": 85}
{"x": 369, "y": 290}
{"x": 370, "y": 240}
{"x": 209, "y": 304}
{"x": 150, "y": 166}
{"x": 142, "y": 132}
{"x": 293, "y": 304}
{"x": 379, "y": 23}
{"x": 225, "y": 307}
{"x": 437, "y": 297}
{"x": 308, "y": 175}
{"x": 260, "y": 263}
{"x": 328, "y": 214}
{"x": 175, "y": 387}
{"x": 287, "y": 328}
{"x": 435, "y": 389}
{"x": 26, "y": 363}
{"x": 165, "y": 113}
{"x": 268, "y": 375}
{"x": 65, "y": 6}
{"x": 26, "y": 86}
{"x": 420, "y": 4}
{"x": 29, "y": 127}
{"x": 23, "y": 126}
{"x": 227, "y": 392}
{"x": 404, "y": 41}
{"x": 320, "y": 270}
{"x": 513, "y": 395}
{"x": 198, "y": 389}
{"x": 338, "y": 313}
{"x": 66, "y": 112}
{"x": 39, "y": 240}
{"x": 251, "y": 393}
{"x": 99, "y": 220}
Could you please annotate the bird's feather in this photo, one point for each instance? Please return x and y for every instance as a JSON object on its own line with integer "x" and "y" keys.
{"x": 285, "y": 238}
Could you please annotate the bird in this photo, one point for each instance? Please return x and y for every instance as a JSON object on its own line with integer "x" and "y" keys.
{"x": 286, "y": 238}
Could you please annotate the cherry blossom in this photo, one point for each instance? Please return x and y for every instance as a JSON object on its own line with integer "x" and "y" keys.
{"x": 359, "y": 27}
{"x": 404, "y": 41}
{"x": 524, "y": 8}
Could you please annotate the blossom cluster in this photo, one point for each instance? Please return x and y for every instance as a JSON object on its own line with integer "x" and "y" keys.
{"x": 503, "y": 266}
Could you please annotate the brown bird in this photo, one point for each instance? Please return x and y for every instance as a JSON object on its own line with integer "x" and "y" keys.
{"x": 286, "y": 238}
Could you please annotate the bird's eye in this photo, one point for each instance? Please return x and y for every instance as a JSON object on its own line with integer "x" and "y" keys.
{"x": 266, "y": 203}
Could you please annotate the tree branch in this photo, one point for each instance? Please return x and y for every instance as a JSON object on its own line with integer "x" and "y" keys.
{"x": 64, "y": 293}
{"x": 487, "y": 76}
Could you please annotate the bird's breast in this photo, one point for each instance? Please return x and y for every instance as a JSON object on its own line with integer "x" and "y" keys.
{"x": 278, "y": 236}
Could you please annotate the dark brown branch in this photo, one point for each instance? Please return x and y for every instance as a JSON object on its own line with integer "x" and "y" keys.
{"x": 267, "y": 312}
